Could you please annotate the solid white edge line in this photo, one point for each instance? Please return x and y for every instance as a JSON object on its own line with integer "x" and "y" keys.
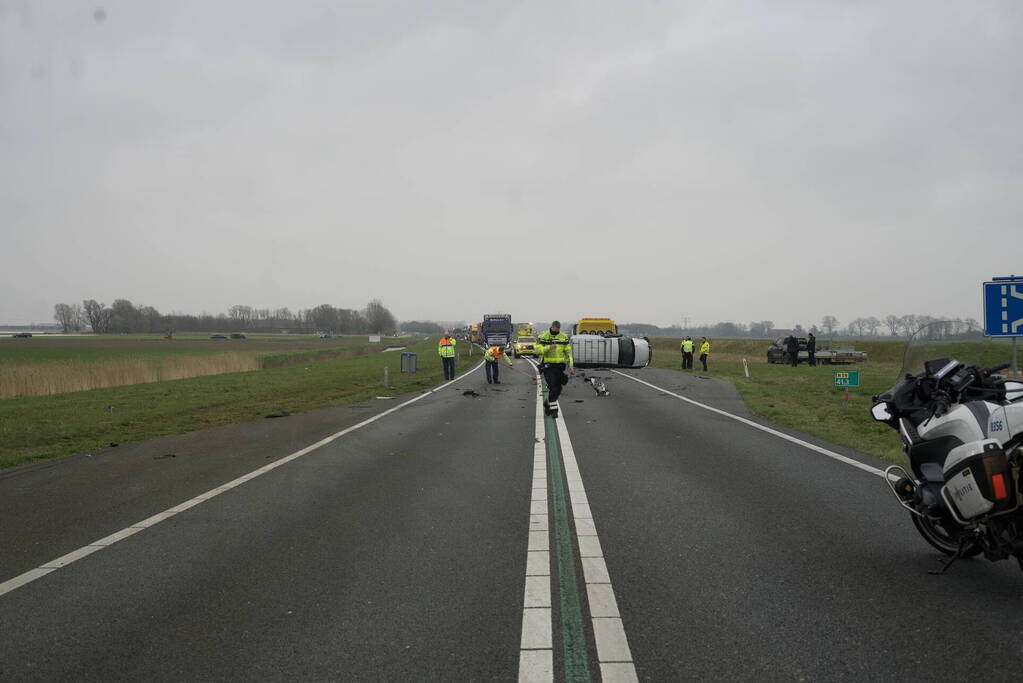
{"x": 107, "y": 541}
{"x": 781, "y": 435}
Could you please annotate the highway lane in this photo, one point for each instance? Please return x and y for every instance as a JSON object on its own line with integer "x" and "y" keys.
{"x": 399, "y": 552}
{"x": 739, "y": 556}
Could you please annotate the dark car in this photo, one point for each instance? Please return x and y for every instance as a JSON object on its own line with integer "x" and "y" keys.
{"x": 22, "y": 335}
{"x": 237, "y": 335}
{"x": 778, "y": 351}
{"x": 218, "y": 336}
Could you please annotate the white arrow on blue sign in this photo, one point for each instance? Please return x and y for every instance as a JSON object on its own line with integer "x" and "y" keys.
{"x": 1003, "y": 308}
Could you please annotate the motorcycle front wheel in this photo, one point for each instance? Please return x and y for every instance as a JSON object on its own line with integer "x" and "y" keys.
{"x": 944, "y": 535}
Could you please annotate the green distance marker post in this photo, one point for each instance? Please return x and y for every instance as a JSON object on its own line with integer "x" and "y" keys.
{"x": 845, "y": 379}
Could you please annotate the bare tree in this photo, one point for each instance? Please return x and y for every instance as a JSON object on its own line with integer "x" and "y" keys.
{"x": 65, "y": 315}
{"x": 97, "y": 315}
{"x": 908, "y": 324}
{"x": 829, "y": 323}
{"x": 892, "y": 323}
{"x": 872, "y": 323}
{"x": 378, "y": 318}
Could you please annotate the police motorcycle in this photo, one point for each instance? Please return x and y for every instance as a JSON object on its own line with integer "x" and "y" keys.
{"x": 961, "y": 425}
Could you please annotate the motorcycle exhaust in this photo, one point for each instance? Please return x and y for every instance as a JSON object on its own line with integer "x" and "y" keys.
{"x": 902, "y": 486}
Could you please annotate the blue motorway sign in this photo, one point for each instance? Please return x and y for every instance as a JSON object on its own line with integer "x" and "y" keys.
{"x": 1003, "y": 308}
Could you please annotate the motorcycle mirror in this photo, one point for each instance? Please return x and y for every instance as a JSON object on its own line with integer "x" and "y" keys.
{"x": 880, "y": 412}
{"x": 1013, "y": 391}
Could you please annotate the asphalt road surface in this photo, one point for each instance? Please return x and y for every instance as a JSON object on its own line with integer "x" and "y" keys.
{"x": 445, "y": 536}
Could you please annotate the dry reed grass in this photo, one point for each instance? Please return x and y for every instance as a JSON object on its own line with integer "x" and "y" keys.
{"x": 41, "y": 379}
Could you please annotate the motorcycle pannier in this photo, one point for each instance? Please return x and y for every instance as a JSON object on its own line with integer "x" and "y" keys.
{"x": 978, "y": 480}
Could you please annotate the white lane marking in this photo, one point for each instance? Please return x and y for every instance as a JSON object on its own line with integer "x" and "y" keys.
{"x": 618, "y": 673}
{"x": 612, "y": 645}
{"x": 536, "y": 648}
{"x": 536, "y": 666}
{"x": 608, "y": 629}
{"x": 774, "y": 432}
{"x": 75, "y": 555}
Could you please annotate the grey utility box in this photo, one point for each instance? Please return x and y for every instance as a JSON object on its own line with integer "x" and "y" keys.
{"x": 408, "y": 362}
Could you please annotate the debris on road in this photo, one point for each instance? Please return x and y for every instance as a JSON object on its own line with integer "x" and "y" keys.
{"x": 470, "y": 392}
{"x": 283, "y": 413}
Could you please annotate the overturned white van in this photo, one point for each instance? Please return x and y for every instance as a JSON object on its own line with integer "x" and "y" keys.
{"x": 593, "y": 351}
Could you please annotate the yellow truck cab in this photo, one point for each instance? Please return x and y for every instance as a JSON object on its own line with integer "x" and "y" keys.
{"x": 600, "y": 326}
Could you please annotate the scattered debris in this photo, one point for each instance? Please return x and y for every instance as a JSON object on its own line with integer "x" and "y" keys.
{"x": 470, "y": 392}
{"x": 113, "y": 445}
{"x": 598, "y": 386}
{"x": 384, "y": 398}
{"x": 579, "y": 400}
{"x": 283, "y": 413}
{"x": 165, "y": 455}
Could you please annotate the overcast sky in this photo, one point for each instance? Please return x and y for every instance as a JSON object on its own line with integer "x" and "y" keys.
{"x": 644, "y": 160}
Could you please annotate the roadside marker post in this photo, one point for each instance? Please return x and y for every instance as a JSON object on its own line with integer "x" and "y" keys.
{"x": 745, "y": 366}
{"x": 845, "y": 379}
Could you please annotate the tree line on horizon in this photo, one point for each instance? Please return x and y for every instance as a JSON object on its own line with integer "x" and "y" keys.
{"x": 122, "y": 316}
{"x": 889, "y": 326}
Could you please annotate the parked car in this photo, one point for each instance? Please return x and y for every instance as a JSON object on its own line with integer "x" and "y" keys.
{"x": 218, "y": 336}
{"x": 22, "y": 335}
{"x": 825, "y": 355}
{"x": 237, "y": 335}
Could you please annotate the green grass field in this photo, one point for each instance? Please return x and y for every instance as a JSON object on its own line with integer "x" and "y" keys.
{"x": 40, "y": 427}
{"x": 805, "y": 397}
{"x": 51, "y": 365}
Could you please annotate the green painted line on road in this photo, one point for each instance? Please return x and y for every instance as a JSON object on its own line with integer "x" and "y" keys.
{"x": 573, "y": 637}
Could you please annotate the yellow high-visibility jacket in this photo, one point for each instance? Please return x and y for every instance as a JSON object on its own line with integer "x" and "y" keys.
{"x": 705, "y": 348}
{"x": 554, "y": 348}
{"x": 687, "y": 345}
{"x": 446, "y": 347}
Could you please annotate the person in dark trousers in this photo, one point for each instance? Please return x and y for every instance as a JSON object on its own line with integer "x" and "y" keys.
{"x": 493, "y": 356}
{"x": 446, "y": 351}
{"x": 555, "y": 356}
{"x": 792, "y": 347}
{"x": 687, "y": 353}
{"x": 704, "y": 351}
{"x": 811, "y": 349}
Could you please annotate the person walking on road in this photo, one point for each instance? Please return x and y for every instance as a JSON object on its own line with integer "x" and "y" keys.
{"x": 811, "y": 349}
{"x": 704, "y": 351}
{"x": 792, "y": 348}
{"x": 687, "y": 353}
{"x": 492, "y": 356}
{"x": 446, "y": 350}
{"x": 555, "y": 357}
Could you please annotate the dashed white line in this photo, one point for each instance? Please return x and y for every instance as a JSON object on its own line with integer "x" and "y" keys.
{"x": 107, "y": 541}
{"x": 613, "y": 653}
{"x": 774, "y": 432}
{"x": 536, "y": 647}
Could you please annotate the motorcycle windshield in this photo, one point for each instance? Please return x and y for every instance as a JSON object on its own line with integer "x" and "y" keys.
{"x": 934, "y": 345}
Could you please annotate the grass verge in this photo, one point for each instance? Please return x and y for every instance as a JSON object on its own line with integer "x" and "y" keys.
{"x": 41, "y": 427}
{"x": 804, "y": 397}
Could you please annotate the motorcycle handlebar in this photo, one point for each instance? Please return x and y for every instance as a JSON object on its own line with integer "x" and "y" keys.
{"x": 995, "y": 369}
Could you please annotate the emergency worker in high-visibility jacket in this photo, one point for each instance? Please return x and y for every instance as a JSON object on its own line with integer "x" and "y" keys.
{"x": 446, "y": 351}
{"x": 555, "y": 358}
{"x": 704, "y": 351}
{"x": 492, "y": 356}
{"x": 687, "y": 353}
